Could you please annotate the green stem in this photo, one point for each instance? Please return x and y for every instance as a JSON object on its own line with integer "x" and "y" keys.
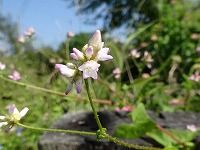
{"x": 51, "y": 91}
{"x": 131, "y": 146}
{"x": 92, "y": 105}
{"x": 58, "y": 130}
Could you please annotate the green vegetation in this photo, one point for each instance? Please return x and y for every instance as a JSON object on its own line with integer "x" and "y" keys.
{"x": 159, "y": 70}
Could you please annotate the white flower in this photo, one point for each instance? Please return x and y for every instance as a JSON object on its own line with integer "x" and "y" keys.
{"x": 2, "y": 66}
{"x": 77, "y": 55}
{"x": 135, "y": 53}
{"x": 15, "y": 75}
{"x": 102, "y": 55}
{"x": 192, "y": 127}
{"x": 89, "y": 69}
{"x": 29, "y": 32}
{"x": 117, "y": 73}
{"x": 147, "y": 57}
{"x": 14, "y": 113}
{"x": 13, "y": 116}
{"x": 195, "y": 77}
{"x": 70, "y": 34}
{"x": 96, "y": 41}
{"x": 21, "y": 39}
{"x": 66, "y": 70}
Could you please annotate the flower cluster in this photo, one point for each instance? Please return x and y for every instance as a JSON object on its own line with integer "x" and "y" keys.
{"x": 15, "y": 75}
{"x": 27, "y": 34}
{"x": 13, "y": 116}
{"x": 85, "y": 62}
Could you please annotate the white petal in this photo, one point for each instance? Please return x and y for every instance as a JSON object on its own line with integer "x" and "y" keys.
{"x": 23, "y": 112}
{"x": 2, "y": 117}
{"x": 73, "y": 56}
{"x": 95, "y": 39}
{"x": 78, "y": 53}
{"x": 89, "y": 52}
{"x": 102, "y": 55}
{"x": 89, "y": 69}
{"x": 65, "y": 70}
{"x": 3, "y": 124}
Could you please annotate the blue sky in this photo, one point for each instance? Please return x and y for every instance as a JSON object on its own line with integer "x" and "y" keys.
{"x": 52, "y": 19}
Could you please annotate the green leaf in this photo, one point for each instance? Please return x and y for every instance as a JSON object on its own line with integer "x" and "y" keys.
{"x": 142, "y": 123}
{"x": 183, "y": 136}
{"x": 161, "y": 138}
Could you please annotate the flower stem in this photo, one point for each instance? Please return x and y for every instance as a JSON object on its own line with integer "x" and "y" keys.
{"x": 106, "y": 102}
{"x": 92, "y": 105}
{"x": 58, "y": 130}
{"x": 131, "y": 146}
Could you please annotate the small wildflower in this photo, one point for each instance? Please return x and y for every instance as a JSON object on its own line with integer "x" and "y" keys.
{"x": 21, "y": 39}
{"x": 176, "y": 102}
{"x": 15, "y": 76}
{"x": 13, "y": 116}
{"x": 135, "y": 53}
{"x": 2, "y": 66}
{"x": 77, "y": 55}
{"x": 148, "y": 59}
{"x": 117, "y": 73}
{"x": 85, "y": 62}
{"x": 65, "y": 70}
{"x": 191, "y": 127}
{"x": 143, "y": 44}
{"x": 29, "y": 32}
{"x": 89, "y": 69}
{"x": 194, "y": 36}
{"x": 198, "y": 49}
{"x": 70, "y": 34}
{"x": 154, "y": 38}
{"x": 195, "y": 77}
{"x": 127, "y": 108}
{"x": 145, "y": 75}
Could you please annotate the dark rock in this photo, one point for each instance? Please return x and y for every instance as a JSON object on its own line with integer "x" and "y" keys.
{"x": 84, "y": 121}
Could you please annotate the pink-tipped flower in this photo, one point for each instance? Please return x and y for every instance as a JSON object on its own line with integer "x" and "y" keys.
{"x": 15, "y": 76}
{"x": 2, "y": 66}
{"x": 77, "y": 55}
{"x": 117, "y": 73}
{"x": 96, "y": 41}
{"x": 195, "y": 77}
{"x": 70, "y": 34}
{"x": 102, "y": 55}
{"x": 89, "y": 69}
{"x": 70, "y": 71}
{"x": 191, "y": 127}
{"x": 127, "y": 108}
{"x": 29, "y": 32}
{"x": 66, "y": 70}
{"x": 21, "y": 39}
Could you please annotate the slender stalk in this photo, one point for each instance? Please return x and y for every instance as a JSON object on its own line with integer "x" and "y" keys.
{"x": 107, "y": 102}
{"x": 58, "y": 130}
{"x": 92, "y": 105}
{"x": 131, "y": 146}
{"x": 171, "y": 135}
